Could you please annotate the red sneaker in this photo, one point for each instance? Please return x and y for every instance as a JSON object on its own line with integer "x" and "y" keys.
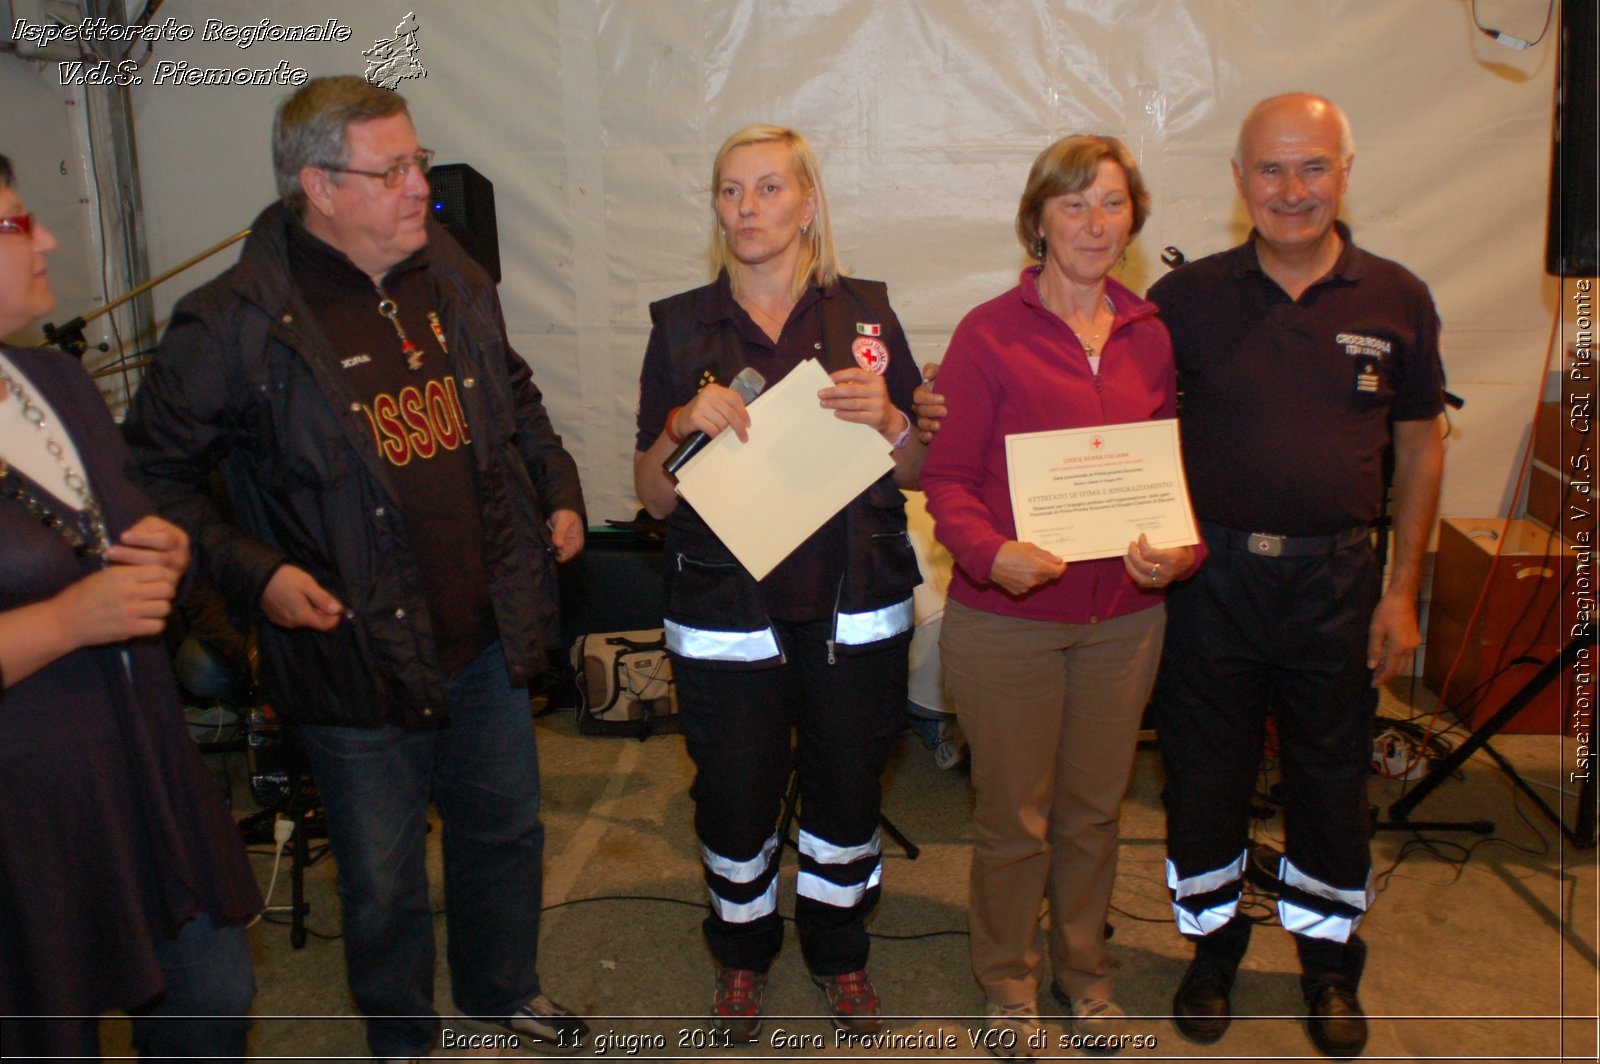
{"x": 736, "y": 1003}
{"x": 853, "y": 1000}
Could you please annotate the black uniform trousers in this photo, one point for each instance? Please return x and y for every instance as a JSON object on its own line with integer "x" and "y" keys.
{"x": 1247, "y": 634}
{"x": 737, "y": 725}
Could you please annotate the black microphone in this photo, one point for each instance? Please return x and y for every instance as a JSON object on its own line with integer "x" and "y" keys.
{"x": 747, "y": 385}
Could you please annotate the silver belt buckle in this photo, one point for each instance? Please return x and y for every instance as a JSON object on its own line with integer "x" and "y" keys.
{"x": 1264, "y": 543}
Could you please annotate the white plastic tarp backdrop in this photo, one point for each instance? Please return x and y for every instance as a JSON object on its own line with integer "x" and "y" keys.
{"x": 597, "y": 122}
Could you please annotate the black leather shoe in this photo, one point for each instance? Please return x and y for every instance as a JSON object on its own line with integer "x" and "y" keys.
{"x": 1334, "y": 1018}
{"x": 1200, "y": 1008}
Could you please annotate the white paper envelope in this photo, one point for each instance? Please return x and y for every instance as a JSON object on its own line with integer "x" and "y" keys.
{"x": 801, "y": 466}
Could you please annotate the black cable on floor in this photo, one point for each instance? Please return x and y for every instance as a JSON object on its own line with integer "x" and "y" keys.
{"x": 701, "y": 905}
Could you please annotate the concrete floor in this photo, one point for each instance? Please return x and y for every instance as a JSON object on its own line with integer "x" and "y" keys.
{"x": 1482, "y": 947}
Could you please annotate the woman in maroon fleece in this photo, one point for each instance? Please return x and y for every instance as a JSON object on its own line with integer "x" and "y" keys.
{"x": 1050, "y": 664}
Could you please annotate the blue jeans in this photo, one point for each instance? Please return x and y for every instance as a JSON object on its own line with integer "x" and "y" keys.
{"x": 481, "y": 770}
{"x": 203, "y": 1013}
{"x": 203, "y": 673}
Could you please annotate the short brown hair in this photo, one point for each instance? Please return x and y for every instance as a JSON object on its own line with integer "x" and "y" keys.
{"x": 1069, "y": 165}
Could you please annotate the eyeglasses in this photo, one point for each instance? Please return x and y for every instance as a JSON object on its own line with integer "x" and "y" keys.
{"x": 396, "y": 175}
{"x": 21, "y": 224}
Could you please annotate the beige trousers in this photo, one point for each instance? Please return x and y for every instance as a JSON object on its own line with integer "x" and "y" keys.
{"x": 1052, "y": 713}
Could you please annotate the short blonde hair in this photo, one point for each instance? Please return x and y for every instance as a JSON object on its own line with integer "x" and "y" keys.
{"x": 819, "y": 263}
{"x": 1069, "y": 165}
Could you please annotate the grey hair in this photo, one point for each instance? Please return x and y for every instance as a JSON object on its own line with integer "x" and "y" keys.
{"x": 1347, "y": 140}
{"x": 309, "y": 128}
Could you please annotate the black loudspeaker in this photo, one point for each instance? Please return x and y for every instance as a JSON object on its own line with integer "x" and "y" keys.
{"x": 463, "y": 202}
{"x": 1573, "y": 238}
{"x": 615, "y": 585}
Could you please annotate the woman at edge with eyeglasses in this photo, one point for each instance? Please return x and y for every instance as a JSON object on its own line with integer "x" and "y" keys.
{"x": 819, "y": 644}
{"x": 123, "y": 883}
{"x": 1050, "y": 665}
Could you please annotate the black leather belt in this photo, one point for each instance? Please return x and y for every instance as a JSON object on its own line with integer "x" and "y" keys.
{"x": 1270, "y": 546}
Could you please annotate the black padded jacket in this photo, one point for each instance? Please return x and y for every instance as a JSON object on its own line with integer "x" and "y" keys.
{"x": 246, "y": 383}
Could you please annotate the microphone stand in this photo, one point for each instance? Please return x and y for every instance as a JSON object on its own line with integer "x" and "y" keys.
{"x": 69, "y": 335}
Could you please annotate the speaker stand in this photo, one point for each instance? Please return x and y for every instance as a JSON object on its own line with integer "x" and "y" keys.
{"x": 791, "y": 799}
{"x": 1581, "y": 834}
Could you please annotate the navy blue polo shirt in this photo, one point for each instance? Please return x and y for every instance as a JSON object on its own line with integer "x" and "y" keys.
{"x": 1286, "y": 404}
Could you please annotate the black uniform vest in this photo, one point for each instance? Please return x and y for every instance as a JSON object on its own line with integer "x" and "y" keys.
{"x": 716, "y": 615}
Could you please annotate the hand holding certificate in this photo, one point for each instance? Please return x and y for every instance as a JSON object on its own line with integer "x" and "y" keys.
{"x": 763, "y": 497}
{"x": 1088, "y": 493}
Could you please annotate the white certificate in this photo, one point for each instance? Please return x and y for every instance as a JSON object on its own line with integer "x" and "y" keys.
{"x": 801, "y": 466}
{"x": 1088, "y": 493}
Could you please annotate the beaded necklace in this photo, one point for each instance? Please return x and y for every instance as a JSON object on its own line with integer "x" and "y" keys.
{"x": 69, "y": 527}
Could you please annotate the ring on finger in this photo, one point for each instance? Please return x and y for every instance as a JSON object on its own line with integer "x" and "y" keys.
{"x": 1155, "y": 573}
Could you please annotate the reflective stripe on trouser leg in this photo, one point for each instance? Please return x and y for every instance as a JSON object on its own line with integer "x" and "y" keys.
{"x": 1212, "y": 897}
{"x": 736, "y": 887}
{"x": 810, "y": 885}
{"x": 764, "y": 904}
{"x": 1317, "y": 909}
{"x": 850, "y": 708}
{"x": 822, "y": 853}
{"x": 740, "y": 871}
